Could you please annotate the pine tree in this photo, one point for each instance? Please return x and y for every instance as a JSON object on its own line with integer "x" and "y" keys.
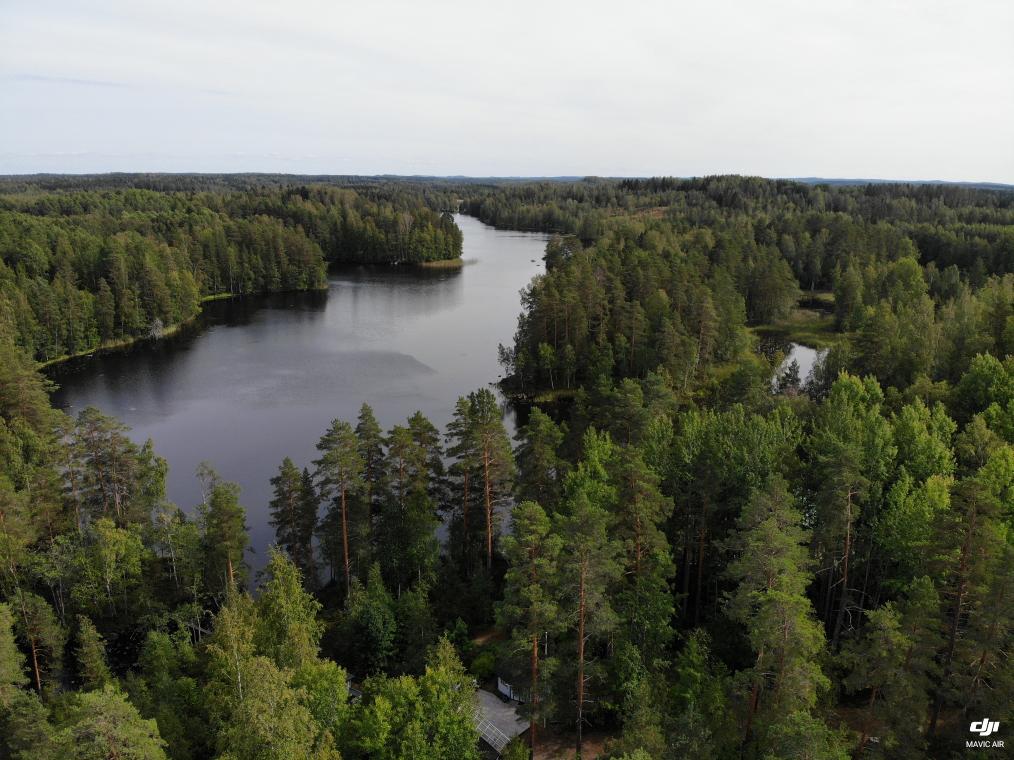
{"x": 495, "y": 459}
{"x": 644, "y": 601}
{"x": 463, "y": 472}
{"x": 771, "y": 571}
{"x": 972, "y": 562}
{"x": 852, "y": 451}
{"x": 530, "y": 609}
{"x": 700, "y": 724}
{"x": 589, "y": 565}
{"x": 406, "y": 530}
{"x": 39, "y": 628}
{"x": 339, "y": 475}
{"x": 103, "y": 724}
{"x": 893, "y": 664}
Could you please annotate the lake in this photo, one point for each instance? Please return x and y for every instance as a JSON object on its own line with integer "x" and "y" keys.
{"x": 259, "y": 378}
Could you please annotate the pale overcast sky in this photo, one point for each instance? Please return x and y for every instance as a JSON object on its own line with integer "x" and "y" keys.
{"x": 879, "y": 88}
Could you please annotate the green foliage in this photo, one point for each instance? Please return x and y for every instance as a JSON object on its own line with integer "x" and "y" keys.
{"x": 541, "y": 469}
{"x": 891, "y": 664}
{"x": 429, "y": 717}
{"x": 225, "y": 538}
{"x": 770, "y": 601}
{"x": 339, "y": 478}
{"x": 294, "y": 516}
{"x": 91, "y": 656}
{"x": 323, "y": 690}
{"x": 102, "y": 724}
{"x": 531, "y": 607}
{"x": 12, "y": 662}
{"x": 700, "y": 722}
{"x": 369, "y": 625}
{"x": 93, "y": 266}
{"x": 483, "y": 666}
{"x": 482, "y": 475}
{"x": 288, "y": 630}
{"x": 516, "y": 750}
{"x": 168, "y": 686}
{"x": 668, "y": 532}
{"x": 414, "y": 477}
{"x": 589, "y": 557}
{"x": 269, "y": 722}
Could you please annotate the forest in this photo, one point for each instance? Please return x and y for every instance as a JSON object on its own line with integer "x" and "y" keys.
{"x": 685, "y": 551}
{"x": 96, "y": 263}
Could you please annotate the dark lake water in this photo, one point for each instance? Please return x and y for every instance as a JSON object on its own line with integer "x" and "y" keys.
{"x": 254, "y": 380}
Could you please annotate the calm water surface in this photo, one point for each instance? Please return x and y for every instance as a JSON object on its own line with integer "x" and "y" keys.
{"x": 255, "y": 380}
{"x": 805, "y": 356}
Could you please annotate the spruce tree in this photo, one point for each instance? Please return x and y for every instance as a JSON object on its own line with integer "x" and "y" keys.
{"x": 225, "y": 538}
{"x": 291, "y": 518}
{"x": 371, "y": 451}
{"x": 91, "y": 656}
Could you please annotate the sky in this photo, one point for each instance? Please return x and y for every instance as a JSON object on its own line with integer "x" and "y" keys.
{"x": 920, "y": 89}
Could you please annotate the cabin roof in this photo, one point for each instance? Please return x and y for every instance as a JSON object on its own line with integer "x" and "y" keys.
{"x": 497, "y": 721}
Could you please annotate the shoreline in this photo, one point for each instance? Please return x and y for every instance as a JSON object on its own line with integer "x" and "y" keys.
{"x": 167, "y": 332}
{"x": 123, "y": 343}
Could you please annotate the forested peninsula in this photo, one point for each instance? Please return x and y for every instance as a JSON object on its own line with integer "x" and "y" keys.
{"x": 95, "y": 263}
{"x": 686, "y": 551}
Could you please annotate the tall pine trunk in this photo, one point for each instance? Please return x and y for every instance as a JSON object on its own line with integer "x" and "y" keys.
{"x": 698, "y": 601}
{"x": 580, "y": 655}
{"x": 345, "y": 542}
{"x": 33, "y": 645}
{"x": 844, "y": 573}
{"x": 534, "y": 696}
{"x": 488, "y": 495}
{"x": 464, "y": 521}
{"x": 952, "y": 637}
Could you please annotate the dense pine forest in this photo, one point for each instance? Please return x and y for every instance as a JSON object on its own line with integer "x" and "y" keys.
{"x": 686, "y": 551}
{"x": 92, "y": 262}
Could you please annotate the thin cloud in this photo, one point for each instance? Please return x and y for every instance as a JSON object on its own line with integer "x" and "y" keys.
{"x": 46, "y": 79}
{"x": 781, "y": 88}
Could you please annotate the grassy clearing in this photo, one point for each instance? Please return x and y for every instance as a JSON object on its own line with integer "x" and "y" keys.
{"x": 553, "y": 396}
{"x": 812, "y": 325}
{"x": 442, "y": 264}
